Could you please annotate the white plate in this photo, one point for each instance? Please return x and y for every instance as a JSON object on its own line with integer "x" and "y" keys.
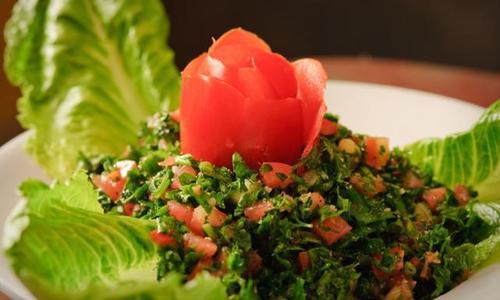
{"x": 403, "y": 115}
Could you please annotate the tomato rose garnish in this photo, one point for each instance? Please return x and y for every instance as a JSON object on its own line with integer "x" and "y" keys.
{"x": 241, "y": 97}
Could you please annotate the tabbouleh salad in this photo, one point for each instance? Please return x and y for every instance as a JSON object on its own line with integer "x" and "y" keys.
{"x": 351, "y": 220}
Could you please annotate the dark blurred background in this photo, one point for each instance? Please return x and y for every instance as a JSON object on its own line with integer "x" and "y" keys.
{"x": 460, "y": 33}
{"x": 456, "y": 32}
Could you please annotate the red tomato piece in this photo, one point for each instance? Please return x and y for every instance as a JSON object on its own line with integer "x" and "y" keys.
{"x": 280, "y": 175}
{"x": 266, "y": 131}
{"x": 411, "y": 181}
{"x": 200, "y": 245}
{"x": 253, "y": 84}
{"x": 162, "y": 239}
{"x": 167, "y": 162}
{"x": 197, "y": 221}
{"x": 462, "y": 194}
{"x": 217, "y": 98}
{"x": 333, "y": 229}
{"x": 256, "y": 212}
{"x": 238, "y": 36}
{"x": 111, "y": 184}
{"x": 317, "y": 200}
{"x": 254, "y": 263}
{"x": 178, "y": 171}
{"x": 398, "y": 266}
{"x": 180, "y": 212}
{"x": 377, "y": 152}
{"x": 311, "y": 78}
{"x": 203, "y": 264}
{"x": 216, "y": 218}
{"x": 434, "y": 197}
{"x": 278, "y": 72}
{"x": 303, "y": 261}
{"x": 328, "y": 127}
{"x": 415, "y": 261}
{"x": 193, "y": 66}
{"x": 129, "y": 208}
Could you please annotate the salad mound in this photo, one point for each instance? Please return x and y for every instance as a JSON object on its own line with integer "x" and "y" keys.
{"x": 351, "y": 220}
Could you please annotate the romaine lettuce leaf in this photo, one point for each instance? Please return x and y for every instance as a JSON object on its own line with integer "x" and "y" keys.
{"x": 62, "y": 246}
{"x": 90, "y": 72}
{"x": 471, "y": 158}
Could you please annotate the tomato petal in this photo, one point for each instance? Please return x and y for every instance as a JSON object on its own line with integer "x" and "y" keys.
{"x": 253, "y": 84}
{"x": 271, "y": 132}
{"x": 193, "y": 66}
{"x": 210, "y": 108}
{"x": 278, "y": 72}
{"x": 239, "y": 36}
{"x": 311, "y": 80}
{"x": 236, "y": 56}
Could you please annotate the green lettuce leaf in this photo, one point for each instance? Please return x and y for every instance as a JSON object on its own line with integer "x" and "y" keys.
{"x": 62, "y": 246}
{"x": 90, "y": 72}
{"x": 471, "y": 158}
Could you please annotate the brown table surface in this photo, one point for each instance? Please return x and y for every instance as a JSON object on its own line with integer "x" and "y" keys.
{"x": 475, "y": 86}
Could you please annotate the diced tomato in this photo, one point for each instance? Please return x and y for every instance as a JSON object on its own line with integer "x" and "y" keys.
{"x": 304, "y": 261}
{"x": 398, "y": 251}
{"x": 129, "y": 208}
{"x": 415, "y": 261}
{"x": 197, "y": 221}
{"x": 200, "y": 245}
{"x": 411, "y": 181}
{"x": 125, "y": 166}
{"x": 111, "y": 184}
{"x": 434, "y": 197}
{"x": 202, "y": 264}
{"x": 332, "y": 229}
{"x": 278, "y": 177}
{"x": 328, "y": 127}
{"x": 429, "y": 258}
{"x": 257, "y": 211}
{"x": 462, "y": 194}
{"x": 317, "y": 200}
{"x": 167, "y": 162}
{"x": 377, "y": 152}
{"x": 254, "y": 262}
{"x": 216, "y": 218}
{"x": 162, "y": 239}
{"x": 180, "y": 212}
{"x": 398, "y": 267}
{"x": 178, "y": 171}
{"x": 175, "y": 115}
